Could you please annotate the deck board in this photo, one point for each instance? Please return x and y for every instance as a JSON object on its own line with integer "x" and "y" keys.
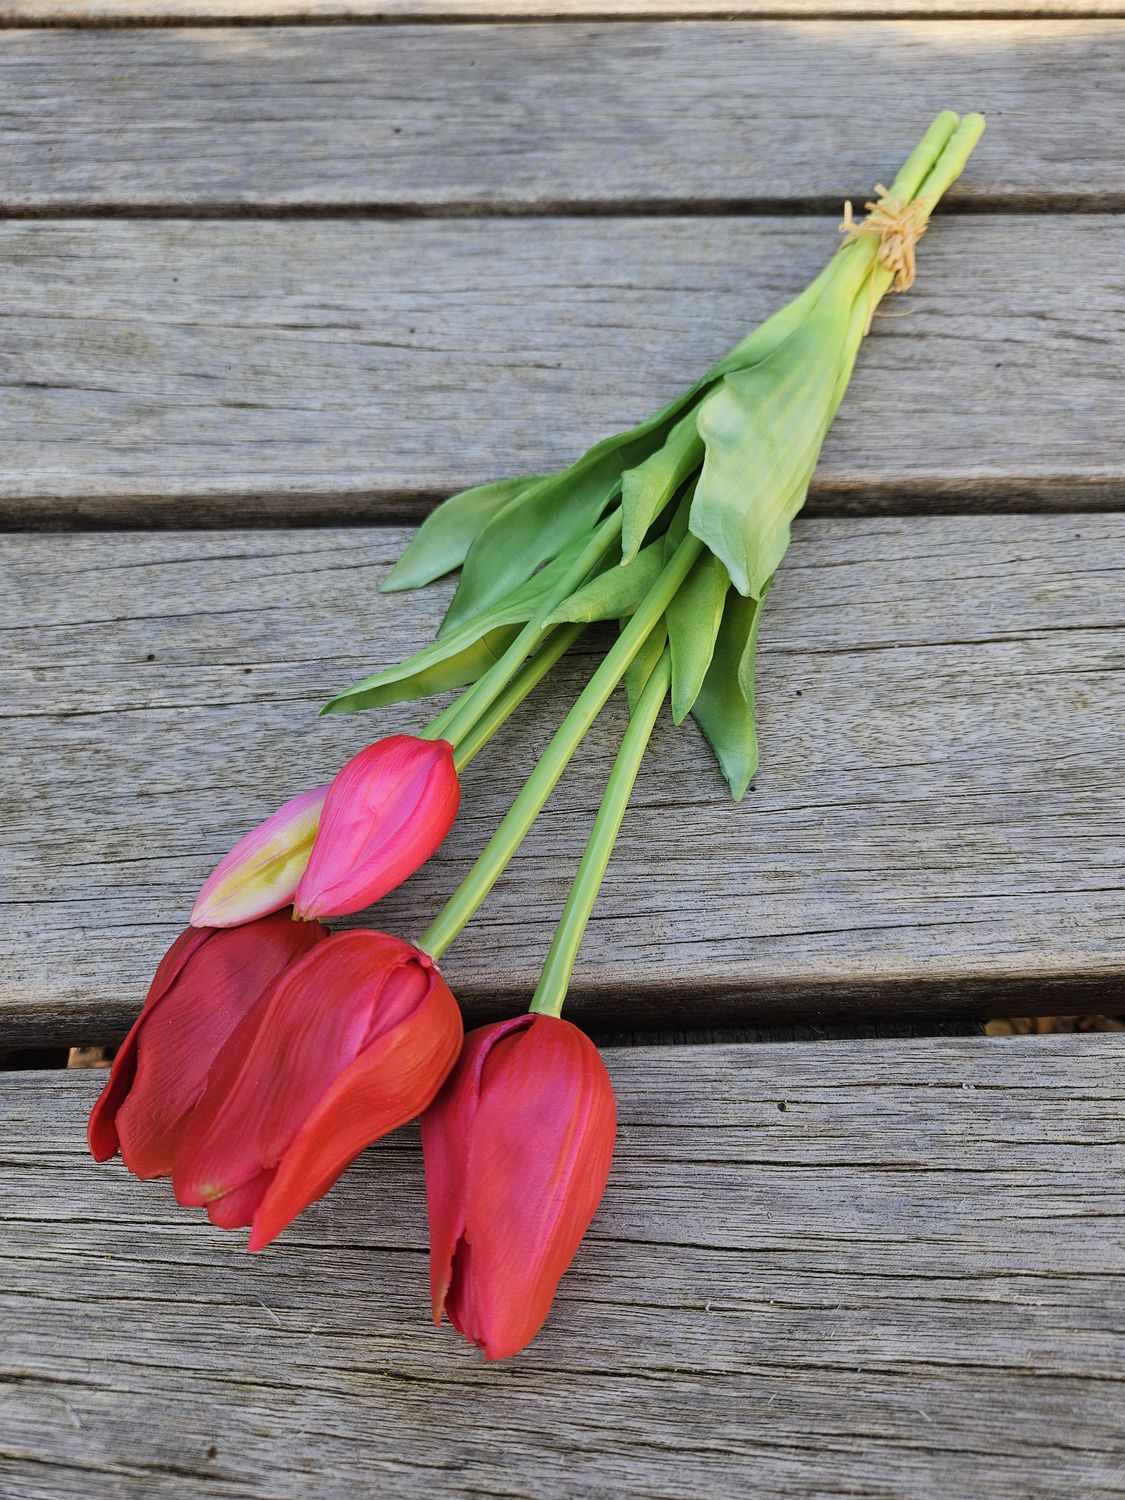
{"x": 219, "y": 372}
{"x": 406, "y": 12}
{"x": 517, "y": 118}
{"x": 908, "y": 1281}
{"x": 937, "y": 826}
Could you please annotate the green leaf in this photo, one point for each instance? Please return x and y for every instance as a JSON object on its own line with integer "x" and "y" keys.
{"x": 426, "y": 673}
{"x": 693, "y": 619}
{"x": 558, "y": 509}
{"x": 556, "y": 512}
{"x": 641, "y": 668}
{"x": 748, "y": 661}
{"x": 648, "y": 488}
{"x": 461, "y": 656}
{"x": 445, "y": 536}
{"x": 763, "y": 428}
{"x": 614, "y": 593}
{"x": 724, "y": 709}
{"x": 562, "y": 507}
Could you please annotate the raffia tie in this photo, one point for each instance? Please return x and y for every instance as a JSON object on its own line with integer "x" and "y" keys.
{"x": 899, "y": 225}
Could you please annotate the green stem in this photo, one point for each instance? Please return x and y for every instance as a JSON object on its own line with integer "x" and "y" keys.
{"x": 951, "y": 163}
{"x": 918, "y": 165}
{"x": 435, "y": 729}
{"x": 494, "y": 858}
{"x": 550, "y": 992}
{"x": 478, "y": 699}
{"x": 556, "y": 643}
{"x": 927, "y": 174}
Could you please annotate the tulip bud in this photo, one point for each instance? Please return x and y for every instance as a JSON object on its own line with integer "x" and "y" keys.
{"x": 205, "y": 984}
{"x": 346, "y": 1045}
{"x": 385, "y": 813}
{"x": 261, "y": 872}
{"x": 517, "y": 1147}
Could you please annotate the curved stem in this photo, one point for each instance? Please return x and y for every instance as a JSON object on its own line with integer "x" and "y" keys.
{"x": 435, "y": 729}
{"x": 556, "y": 643}
{"x": 494, "y": 858}
{"x": 550, "y": 992}
{"x": 478, "y": 699}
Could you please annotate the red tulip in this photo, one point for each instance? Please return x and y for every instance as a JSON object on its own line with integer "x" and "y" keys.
{"x": 386, "y": 812}
{"x": 346, "y": 1045}
{"x": 517, "y": 1147}
{"x": 205, "y": 984}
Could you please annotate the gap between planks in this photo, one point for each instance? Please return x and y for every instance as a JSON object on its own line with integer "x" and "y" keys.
{"x": 122, "y": 13}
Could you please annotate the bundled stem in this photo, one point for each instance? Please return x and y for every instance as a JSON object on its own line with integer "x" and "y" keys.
{"x": 550, "y": 993}
{"x": 497, "y": 853}
{"x": 479, "y": 698}
{"x": 735, "y": 453}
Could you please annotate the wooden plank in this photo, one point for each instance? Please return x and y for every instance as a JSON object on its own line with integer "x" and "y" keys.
{"x": 390, "y": 12}
{"x": 907, "y": 1281}
{"x": 172, "y": 373}
{"x": 541, "y": 118}
{"x": 936, "y": 828}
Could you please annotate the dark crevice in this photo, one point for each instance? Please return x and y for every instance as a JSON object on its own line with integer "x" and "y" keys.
{"x": 435, "y": 15}
{"x": 1105, "y": 201}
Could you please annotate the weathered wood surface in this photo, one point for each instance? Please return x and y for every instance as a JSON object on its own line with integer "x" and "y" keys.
{"x": 937, "y": 825}
{"x": 198, "y": 372}
{"x": 536, "y": 118}
{"x": 388, "y": 12}
{"x": 889, "y": 1269}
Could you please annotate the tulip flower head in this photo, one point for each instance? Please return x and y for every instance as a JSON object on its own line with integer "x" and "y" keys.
{"x": 205, "y": 984}
{"x": 517, "y": 1147}
{"x": 349, "y": 1043}
{"x": 261, "y": 872}
{"x": 385, "y": 813}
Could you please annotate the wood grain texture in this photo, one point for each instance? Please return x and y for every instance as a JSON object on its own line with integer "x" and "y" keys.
{"x": 174, "y": 373}
{"x": 577, "y": 116}
{"x": 907, "y": 1281}
{"x": 937, "y": 825}
{"x": 391, "y": 12}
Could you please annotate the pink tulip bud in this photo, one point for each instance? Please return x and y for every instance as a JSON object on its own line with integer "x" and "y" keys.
{"x": 386, "y": 812}
{"x": 205, "y": 984}
{"x": 517, "y": 1146}
{"x": 261, "y": 872}
{"x": 348, "y": 1044}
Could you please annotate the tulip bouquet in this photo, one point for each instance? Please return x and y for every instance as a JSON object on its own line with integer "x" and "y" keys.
{"x": 270, "y": 1051}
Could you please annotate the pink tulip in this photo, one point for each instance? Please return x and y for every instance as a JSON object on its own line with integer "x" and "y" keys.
{"x": 205, "y": 984}
{"x": 261, "y": 872}
{"x": 386, "y": 812}
{"x": 349, "y": 1043}
{"x": 518, "y": 1147}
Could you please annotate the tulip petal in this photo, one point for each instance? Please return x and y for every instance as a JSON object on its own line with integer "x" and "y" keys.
{"x": 308, "y": 1069}
{"x": 102, "y": 1129}
{"x": 446, "y": 1129}
{"x": 386, "y": 812}
{"x": 181, "y": 1032}
{"x": 261, "y": 873}
{"x": 537, "y": 1160}
{"x": 390, "y": 1082}
{"x": 236, "y": 1210}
